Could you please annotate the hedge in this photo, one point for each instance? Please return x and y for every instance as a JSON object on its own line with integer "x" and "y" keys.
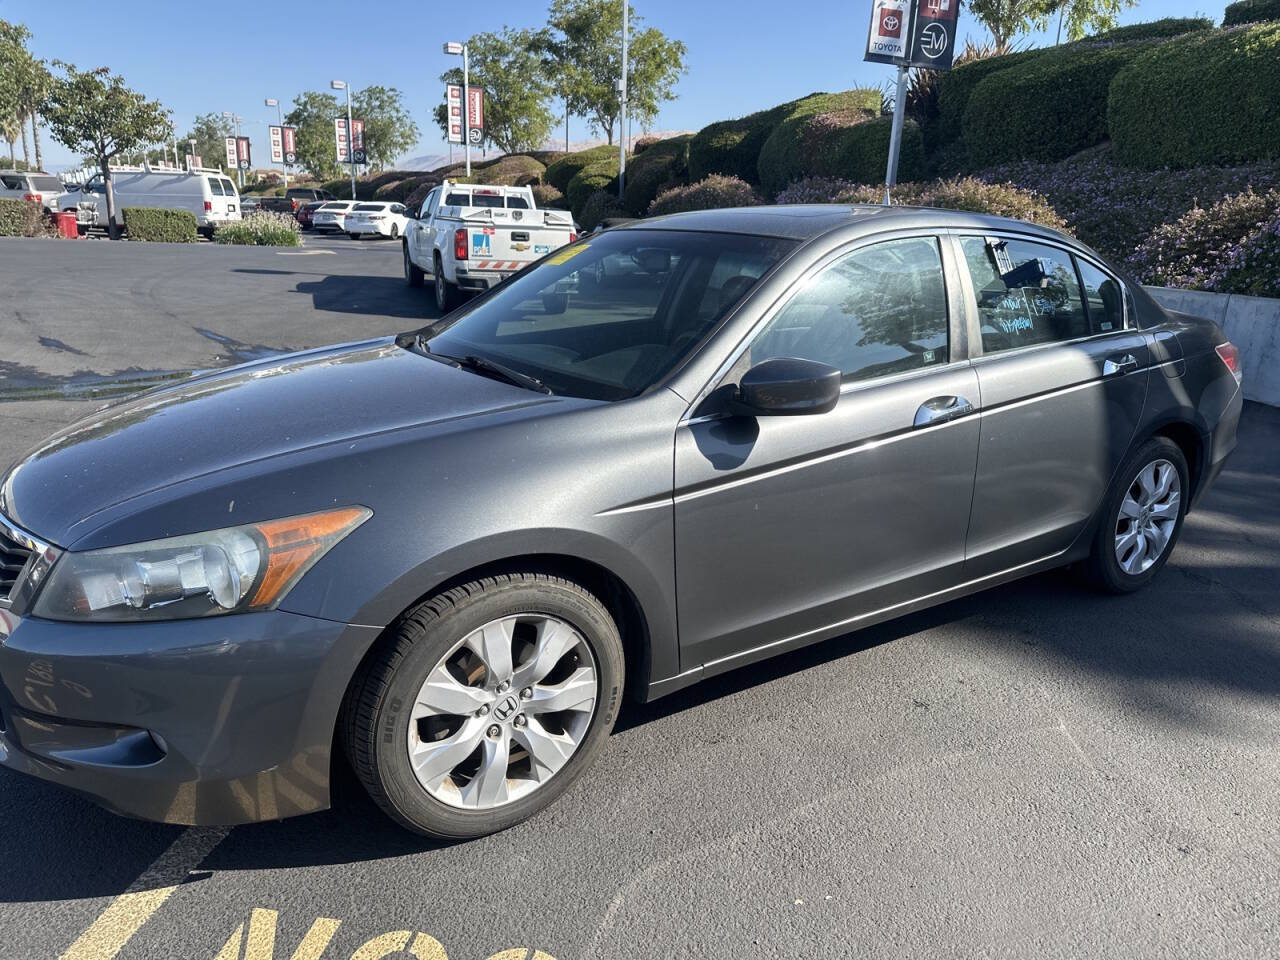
{"x": 601, "y": 175}
{"x": 262, "y": 229}
{"x": 732, "y": 147}
{"x": 19, "y": 218}
{"x": 961, "y": 193}
{"x": 1203, "y": 98}
{"x": 956, "y": 86}
{"x": 159, "y": 225}
{"x": 514, "y": 170}
{"x": 1044, "y": 109}
{"x": 545, "y": 195}
{"x": 1251, "y": 11}
{"x": 1157, "y": 29}
{"x": 600, "y": 206}
{"x": 560, "y": 172}
{"x": 662, "y": 164}
{"x": 711, "y": 193}
{"x": 810, "y": 138}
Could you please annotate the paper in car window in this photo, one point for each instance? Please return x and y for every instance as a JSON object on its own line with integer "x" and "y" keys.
{"x": 564, "y": 256}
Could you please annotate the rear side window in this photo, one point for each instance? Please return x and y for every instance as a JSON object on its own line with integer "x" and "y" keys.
{"x": 879, "y": 310}
{"x": 229, "y": 188}
{"x": 1103, "y": 298}
{"x": 215, "y": 186}
{"x": 1027, "y": 293}
{"x": 457, "y": 200}
{"x": 45, "y": 184}
{"x": 14, "y": 183}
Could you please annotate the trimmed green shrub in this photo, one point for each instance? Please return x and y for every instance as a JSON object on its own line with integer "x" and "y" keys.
{"x": 710, "y": 193}
{"x": 19, "y": 218}
{"x": 662, "y": 165}
{"x": 956, "y": 86}
{"x": 601, "y": 175}
{"x": 851, "y": 150}
{"x": 160, "y": 226}
{"x": 1208, "y": 97}
{"x": 262, "y": 229}
{"x": 559, "y": 172}
{"x": 1156, "y": 29}
{"x": 961, "y": 193}
{"x": 599, "y": 206}
{"x": 545, "y": 195}
{"x": 1044, "y": 109}
{"x": 1198, "y": 249}
{"x": 732, "y": 147}
{"x": 1251, "y": 11}
{"x": 515, "y": 170}
{"x": 644, "y": 143}
{"x": 810, "y": 138}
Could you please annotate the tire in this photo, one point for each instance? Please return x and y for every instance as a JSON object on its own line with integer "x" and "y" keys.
{"x": 1130, "y": 549}
{"x": 354, "y": 236}
{"x": 395, "y": 231}
{"x": 382, "y": 716}
{"x": 412, "y": 273}
{"x": 446, "y": 292}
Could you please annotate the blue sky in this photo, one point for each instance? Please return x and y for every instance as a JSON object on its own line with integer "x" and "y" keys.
{"x": 743, "y": 54}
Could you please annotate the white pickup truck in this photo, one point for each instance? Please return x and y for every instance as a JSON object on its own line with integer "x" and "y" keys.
{"x": 473, "y": 236}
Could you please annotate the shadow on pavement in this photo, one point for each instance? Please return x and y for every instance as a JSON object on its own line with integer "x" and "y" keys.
{"x": 380, "y": 296}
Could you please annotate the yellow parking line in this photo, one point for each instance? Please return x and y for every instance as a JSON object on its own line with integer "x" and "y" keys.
{"x": 108, "y": 934}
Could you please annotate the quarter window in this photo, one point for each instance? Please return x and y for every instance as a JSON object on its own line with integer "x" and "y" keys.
{"x": 879, "y": 310}
{"x": 1103, "y": 298}
{"x": 215, "y": 187}
{"x": 1027, "y": 293}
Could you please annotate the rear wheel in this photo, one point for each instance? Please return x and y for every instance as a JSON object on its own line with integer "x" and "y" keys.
{"x": 485, "y": 704}
{"x": 395, "y": 231}
{"x": 446, "y": 295}
{"x": 1142, "y": 517}
{"x": 353, "y": 236}
{"x": 411, "y": 272}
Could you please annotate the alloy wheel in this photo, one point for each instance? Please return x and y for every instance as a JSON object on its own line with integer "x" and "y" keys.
{"x": 1148, "y": 517}
{"x": 503, "y": 711}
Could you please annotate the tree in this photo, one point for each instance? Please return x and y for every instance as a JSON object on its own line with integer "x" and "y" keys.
{"x": 210, "y": 132}
{"x": 313, "y": 114}
{"x": 389, "y": 129}
{"x": 588, "y": 33}
{"x": 1083, "y": 17}
{"x": 1006, "y": 19}
{"x": 33, "y": 86}
{"x": 93, "y": 112}
{"x": 13, "y": 60}
{"x": 508, "y": 67}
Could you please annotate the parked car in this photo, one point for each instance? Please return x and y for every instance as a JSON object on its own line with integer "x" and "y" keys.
{"x": 250, "y": 205}
{"x": 473, "y": 236}
{"x": 34, "y": 186}
{"x": 377, "y": 219}
{"x": 306, "y": 212}
{"x": 451, "y": 552}
{"x": 331, "y": 217}
{"x": 208, "y": 194}
{"x": 294, "y": 198}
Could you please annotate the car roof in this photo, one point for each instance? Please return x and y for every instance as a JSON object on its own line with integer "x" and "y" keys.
{"x": 804, "y": 221}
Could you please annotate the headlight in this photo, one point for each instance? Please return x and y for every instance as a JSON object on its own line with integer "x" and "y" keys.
{"x": 233, "y": 570}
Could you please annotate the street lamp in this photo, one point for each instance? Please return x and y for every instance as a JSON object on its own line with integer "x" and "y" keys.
{"x": 351, "y": 150}
{"x": 454, "y": 49}
{"x": 622, "y": 102}
{"x": 273, "y": 102}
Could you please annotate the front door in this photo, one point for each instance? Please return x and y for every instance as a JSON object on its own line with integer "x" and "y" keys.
{"x": 1063, "y": 378}
{"x": 789, "y": 528}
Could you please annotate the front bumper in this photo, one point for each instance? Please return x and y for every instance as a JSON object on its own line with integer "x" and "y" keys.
{"x": 222, "y": 720}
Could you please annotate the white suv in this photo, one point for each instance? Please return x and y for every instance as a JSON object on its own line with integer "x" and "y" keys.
{"x": 34, "y": 186}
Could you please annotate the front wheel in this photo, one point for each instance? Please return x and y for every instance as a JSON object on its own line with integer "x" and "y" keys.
{"x": 1141, "y": 517}
{"x": 485, "y": 703}
{"x": 411, "y": 272}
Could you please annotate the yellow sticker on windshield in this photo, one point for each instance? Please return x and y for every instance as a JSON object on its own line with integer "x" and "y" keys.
{"x": 564, "y": 256}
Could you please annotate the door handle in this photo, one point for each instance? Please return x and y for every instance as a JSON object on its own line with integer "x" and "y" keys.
{"x": 1120, "y": 363}
{"x": 942, "y": 409}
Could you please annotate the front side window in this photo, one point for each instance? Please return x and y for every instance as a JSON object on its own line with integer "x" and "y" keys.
{"x": 1027, "y": 293}
{"x": 1103, "y": 297}
{"x": 876, "y": 311}
{"x": 607, "y": 318}
{"x": 429, "y": 204}
{"x": 14, "y": 183}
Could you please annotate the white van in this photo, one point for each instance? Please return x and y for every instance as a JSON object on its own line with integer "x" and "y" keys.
{"x": 209, "y": 194}
{"x": 34, "y": 186}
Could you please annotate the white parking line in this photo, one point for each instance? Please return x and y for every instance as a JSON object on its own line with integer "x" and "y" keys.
{"x": 303, "y": 253}
{"x": 108, "y": 934}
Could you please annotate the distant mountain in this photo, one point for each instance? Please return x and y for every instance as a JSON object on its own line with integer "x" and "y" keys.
{"x": 429, "y": 162}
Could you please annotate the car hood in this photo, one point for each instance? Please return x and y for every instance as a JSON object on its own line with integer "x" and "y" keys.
{"x": 230, "y": 418}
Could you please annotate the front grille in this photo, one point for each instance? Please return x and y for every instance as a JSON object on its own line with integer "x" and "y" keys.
{"x": 13, "y": 557}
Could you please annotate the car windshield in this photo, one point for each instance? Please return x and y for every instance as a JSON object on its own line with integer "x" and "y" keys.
{"x": 610, "y": 316}
{"x": 336, "y": 205}
{"x": 365, "y": 207}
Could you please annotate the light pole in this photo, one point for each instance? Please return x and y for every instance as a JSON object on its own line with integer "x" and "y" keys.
{"x": 273, "y": 102}
{"x": 454, "y": 48}
{"x": 351, "y": 147}
{"x": 622, "y": 101}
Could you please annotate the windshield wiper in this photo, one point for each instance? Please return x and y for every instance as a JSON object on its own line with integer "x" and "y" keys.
{"x": 473, "y": 362}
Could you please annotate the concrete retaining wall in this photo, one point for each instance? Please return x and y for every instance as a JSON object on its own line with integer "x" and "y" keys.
{"x": 1251, "y": 323}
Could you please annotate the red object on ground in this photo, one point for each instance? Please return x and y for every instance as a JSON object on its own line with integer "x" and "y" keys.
{"x": 66, "y": 221}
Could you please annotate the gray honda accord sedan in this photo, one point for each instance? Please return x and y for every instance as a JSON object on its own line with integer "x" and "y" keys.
{"x": 663, "y": 452}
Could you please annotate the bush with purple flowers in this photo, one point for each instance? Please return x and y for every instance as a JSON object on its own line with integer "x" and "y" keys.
{"x": 709, "y": 193}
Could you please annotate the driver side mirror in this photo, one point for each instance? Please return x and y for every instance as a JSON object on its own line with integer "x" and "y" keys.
{"x": 787, "y": 387}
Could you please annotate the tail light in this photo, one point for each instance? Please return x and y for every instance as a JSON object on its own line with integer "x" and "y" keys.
{"x": 31, "y": 197}
{"x": 573, "y": 238}
{"x": 460, "y": 244}
{"x": 293, "y": 204}
{"x": 208, "y": 206}
{"x": 1230, "y": 355}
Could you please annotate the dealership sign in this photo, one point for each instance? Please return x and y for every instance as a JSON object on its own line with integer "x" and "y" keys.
{"x": 231, "y": 153}
{"x": 453, "y": 106}
{"x": 357, "y": 138}
{"x": 887, "y": 39}
{"x": 913, "y": 33}
{"x": 242, "y": 152}
{"x": 474, "y": 113}
{"x": 284, "y": 146}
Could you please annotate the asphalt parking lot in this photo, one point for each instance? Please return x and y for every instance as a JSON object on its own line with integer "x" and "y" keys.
{"x": 1036, "y": 771}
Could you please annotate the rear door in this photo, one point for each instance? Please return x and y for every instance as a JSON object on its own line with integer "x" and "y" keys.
{"x": 231, "y": 208}
{"x": 1063, "y": 377}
